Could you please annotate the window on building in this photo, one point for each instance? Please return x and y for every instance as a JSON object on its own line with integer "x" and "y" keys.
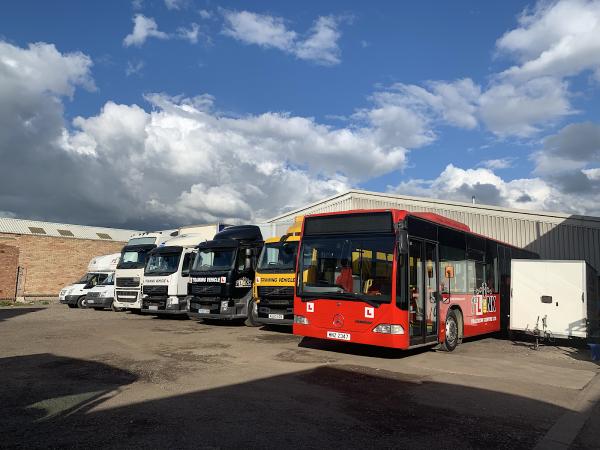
{"x": 65, "y": 233}
{"x": 103, "y": 236}
{"x": 37, "y": 230}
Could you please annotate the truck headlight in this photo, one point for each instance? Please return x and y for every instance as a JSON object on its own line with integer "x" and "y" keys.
{"x": 387, "y": 328}
{"x": 172, "y": 301}
{"x": 105, "y": 294}
{"x": 301, "y": 320}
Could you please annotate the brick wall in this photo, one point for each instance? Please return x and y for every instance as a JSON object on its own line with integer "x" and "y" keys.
{"x": 9, "y": 261}
{"x": 50, "y": 263}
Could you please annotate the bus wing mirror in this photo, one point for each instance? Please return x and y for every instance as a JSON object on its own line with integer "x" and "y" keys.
{"x": 449, "y": 272}
{"x": 403, "y": 242}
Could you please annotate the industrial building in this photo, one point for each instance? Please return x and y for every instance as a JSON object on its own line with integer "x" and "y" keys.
{"x": 551, "y": 235}
{"x": 37, "y": 259}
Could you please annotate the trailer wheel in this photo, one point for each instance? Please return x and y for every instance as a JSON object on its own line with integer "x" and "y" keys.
{"x": 81, "y": 303}
{"x": 452, "y": 332}
{"x": 252, "y": 314}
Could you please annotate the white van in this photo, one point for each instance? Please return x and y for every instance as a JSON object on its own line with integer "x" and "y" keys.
{"x": 99, "y": 269}
{"x": 102, "y": 295}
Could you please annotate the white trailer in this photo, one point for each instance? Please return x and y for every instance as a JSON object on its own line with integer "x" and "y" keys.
{"x": 554, "y": 298}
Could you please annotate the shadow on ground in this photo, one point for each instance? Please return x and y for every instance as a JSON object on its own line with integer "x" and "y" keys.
{"x": 9, "y": 313}
{"x": 51, "y": 401}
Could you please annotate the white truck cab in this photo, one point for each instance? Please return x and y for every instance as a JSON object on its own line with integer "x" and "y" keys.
{"x": 130, "y": 269}
{"x": 99, "y": 268}
{"x": 166, "y": 276}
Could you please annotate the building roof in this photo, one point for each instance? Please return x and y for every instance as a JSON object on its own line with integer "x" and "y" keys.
{"x": 63, "y": 230}
{"x": 479, "y": 208}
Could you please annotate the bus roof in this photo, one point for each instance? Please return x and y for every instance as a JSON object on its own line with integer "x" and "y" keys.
{"x": 401, "y": 214}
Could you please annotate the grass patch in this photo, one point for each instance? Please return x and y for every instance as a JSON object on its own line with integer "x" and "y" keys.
{"x": 6, "y": 303}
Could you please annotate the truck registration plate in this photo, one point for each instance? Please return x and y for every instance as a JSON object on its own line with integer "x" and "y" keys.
{"x": 204, "y": 311}
{"x": 153, "y": 308}
{"x": 338, "y": 335}
{"x": 276, "y": 316}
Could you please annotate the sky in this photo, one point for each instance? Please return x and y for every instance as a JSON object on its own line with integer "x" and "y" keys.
{"x": 149, "y": 114}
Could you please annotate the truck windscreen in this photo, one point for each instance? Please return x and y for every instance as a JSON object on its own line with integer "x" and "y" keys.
{"x": 162, "y": 263}
{"x": 133, "y": 258}
{"x": 214, "y": 259}
{"x": 353, "y": 266}
{"x": 278, "y": 257}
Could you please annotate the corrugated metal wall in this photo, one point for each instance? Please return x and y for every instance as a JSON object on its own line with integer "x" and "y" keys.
{"x": 551, "y": 236}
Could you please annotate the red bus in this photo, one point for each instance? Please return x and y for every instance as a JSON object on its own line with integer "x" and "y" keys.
{"x": 399, "y": 279}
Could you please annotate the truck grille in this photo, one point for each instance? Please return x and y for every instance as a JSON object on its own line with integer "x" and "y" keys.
{"x": 127, "y": 296}
{"x": 276, "y": 291}
{"x": 128, "y": 282}
{"x": 155, "y": 290}
{"x": 204, "y": 290}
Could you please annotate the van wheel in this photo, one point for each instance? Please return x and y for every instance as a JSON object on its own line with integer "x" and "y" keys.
{"x": 252, "y": 314}
{"x": 452, "y": 332}
{"x": 81, "y": 303}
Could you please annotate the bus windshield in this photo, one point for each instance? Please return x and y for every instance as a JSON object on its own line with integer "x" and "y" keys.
{"x": 162, "y": 263}
{"x": 214, "y": 259}
{"x": 278, "y": 257}
{"x": 348, "y": 267}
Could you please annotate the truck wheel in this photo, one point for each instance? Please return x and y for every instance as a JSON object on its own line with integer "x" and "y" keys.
{"x": 114, "y": 308}
{"x": 451, "y": 332}
{"x": 81, "y": 302}
{"x": 252, "y": 314}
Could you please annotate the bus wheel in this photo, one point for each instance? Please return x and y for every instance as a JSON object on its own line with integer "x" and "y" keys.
{"x": 81, "y": 303}
{"x": 451, "y": 332}
{"x": 252, "y": 314}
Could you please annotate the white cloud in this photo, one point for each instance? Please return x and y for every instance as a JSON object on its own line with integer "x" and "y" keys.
{"x": 189, "y": 34}
{"x": 498, "y": 164}
{"x": 134, "y": 68}
{"x": 42, "y": 68}
{"x": 263, "y": 30}
{"x": 319, "y": 46}
{"x": 522, "y": 110}
{"x": 177, "y": 4}
{"x": 459, "y": 184}
{"x": 557, "y": 39}
{"x": 143, "y": 28}
{"x": 182, "y": 160}
{"x": 137, "y": 4}
{"x": 205, "y": 14}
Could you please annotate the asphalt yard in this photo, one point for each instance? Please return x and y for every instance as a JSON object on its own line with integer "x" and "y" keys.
{"x": 85, "y": 378}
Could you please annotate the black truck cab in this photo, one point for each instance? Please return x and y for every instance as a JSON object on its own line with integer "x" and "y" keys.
{"x": 221, "y": 277}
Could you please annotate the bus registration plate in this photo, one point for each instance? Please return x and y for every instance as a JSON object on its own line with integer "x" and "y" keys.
{"x": 338, "y": 335}
{"x": 276, "y": 316}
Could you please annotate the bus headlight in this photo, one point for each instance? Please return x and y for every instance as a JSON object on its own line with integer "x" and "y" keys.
{"x": 301, "y": 320}
{"x": 386, "y": 328}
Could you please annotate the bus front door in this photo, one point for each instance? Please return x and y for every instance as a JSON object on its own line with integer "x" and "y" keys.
{"x": 423, "y": 295}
